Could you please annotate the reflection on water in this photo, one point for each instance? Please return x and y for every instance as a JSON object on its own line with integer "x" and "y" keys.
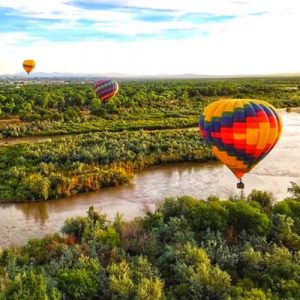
{"x": 20, "y": 222}
{"x": 39, "y": 213}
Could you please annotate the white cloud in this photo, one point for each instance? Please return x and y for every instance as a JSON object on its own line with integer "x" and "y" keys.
{"x": 257, "y": 44}
{"x": 61, "y": 10}
{"x": 55, "y": 9}
{"x": 141, "y": 27}
{"x": 36, "y": 6}
{"x": 236, "y": 7}
{"x": 229, "y": 53}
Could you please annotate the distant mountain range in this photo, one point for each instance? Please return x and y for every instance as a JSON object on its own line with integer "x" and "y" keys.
{"x": 61, "y": 75}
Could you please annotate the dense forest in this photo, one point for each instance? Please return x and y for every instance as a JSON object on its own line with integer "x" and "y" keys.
{"x": 58, "y": 140}
{"x": 187, "y": 249}
{"x": 88, "y": 162}
{"x": 41, "y": 108}
{"x": 71, "y": 143}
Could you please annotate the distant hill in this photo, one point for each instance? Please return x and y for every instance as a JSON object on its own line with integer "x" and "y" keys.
{"x": 61, "y": 75}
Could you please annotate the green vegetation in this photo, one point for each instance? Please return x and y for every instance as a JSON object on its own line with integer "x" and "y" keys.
{"x": 48, "y": 109}
{"x": 186, "y": 249}
{"x": 87, "y": 146}
{"x": 82, "y": 163}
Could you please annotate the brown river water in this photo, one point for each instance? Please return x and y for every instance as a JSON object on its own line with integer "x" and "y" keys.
{"x": 24, "y": 221}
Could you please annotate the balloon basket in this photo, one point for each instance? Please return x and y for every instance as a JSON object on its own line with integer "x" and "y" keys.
{"x": 240, "y": 185}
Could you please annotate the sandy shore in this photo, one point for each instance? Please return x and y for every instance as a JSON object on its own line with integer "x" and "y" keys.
{"x": 295, "y": 109}
{"x": 291, "y": 109}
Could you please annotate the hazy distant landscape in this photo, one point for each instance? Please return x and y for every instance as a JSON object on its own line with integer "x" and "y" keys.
{"x": 93, "y": 76}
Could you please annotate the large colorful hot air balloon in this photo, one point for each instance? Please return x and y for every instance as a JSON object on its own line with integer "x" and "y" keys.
{"x": 240, "y": 132}
{"x": 28, "y": 65}
{"x": 106, "y": 89}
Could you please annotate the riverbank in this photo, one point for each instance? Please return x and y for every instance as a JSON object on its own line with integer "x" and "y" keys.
{"x": 67, "y": 165}
{"x": 295, "y": 109}
{"x": 187, "y": 246}
{"x": 150, "y": 186}
{"x": 89, "y": 162}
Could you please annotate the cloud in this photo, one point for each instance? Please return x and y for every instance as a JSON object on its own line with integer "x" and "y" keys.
{"x": 69, "y": 9}
{"x": 235, "y": 7}
{"x": 92, "y": 20}
{"x": 151, "y": 36}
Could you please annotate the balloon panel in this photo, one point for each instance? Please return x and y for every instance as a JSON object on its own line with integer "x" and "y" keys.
{"x": 240, "y": 132}
{"x": 106, "y": 89}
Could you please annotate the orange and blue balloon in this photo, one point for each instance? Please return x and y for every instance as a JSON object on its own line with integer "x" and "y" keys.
{"x": 240, "y": 132}
{"x": 106, "y": 89}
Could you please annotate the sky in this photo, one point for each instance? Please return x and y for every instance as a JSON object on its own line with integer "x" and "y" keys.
{"x": 151, "y": 37}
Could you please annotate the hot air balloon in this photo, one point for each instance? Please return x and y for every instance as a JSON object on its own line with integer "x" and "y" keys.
{"x": 240, "y": 132}
{"x": 28, "y": 65}
{"x": 106, "y": 89}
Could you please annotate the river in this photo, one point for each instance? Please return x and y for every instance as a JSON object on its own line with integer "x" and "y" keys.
{"x": 24, "y": 221}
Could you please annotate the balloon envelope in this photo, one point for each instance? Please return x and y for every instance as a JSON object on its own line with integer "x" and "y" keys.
{"x": 28, "y": 65}
{"x": 240, "y": 132}
{"x": 106, "y": 89}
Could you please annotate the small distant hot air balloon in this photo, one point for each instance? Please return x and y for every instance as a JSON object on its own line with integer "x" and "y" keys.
{"x": 28, "y": 65}
{"x": 106, "y": 89}
{"x": 240, "y": 132}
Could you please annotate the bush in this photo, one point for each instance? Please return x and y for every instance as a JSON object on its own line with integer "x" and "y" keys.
{"x": 244, "y": 217}
{"x": 264, "y": 199}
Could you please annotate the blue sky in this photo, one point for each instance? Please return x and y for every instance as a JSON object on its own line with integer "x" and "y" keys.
{"x": 143, "y": 37}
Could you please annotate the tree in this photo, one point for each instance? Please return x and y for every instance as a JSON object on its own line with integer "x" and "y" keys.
{"x": 243, "y": 216}
{"x": 37, "y": 186}
{"x": 264, "y": 199}
{"x": 294, "y": 190}
{"x": 29, "y": 285}
{"x": 190, "y": 275}
{"x": 136, "y": 280}
{"x": 82, "y": 280}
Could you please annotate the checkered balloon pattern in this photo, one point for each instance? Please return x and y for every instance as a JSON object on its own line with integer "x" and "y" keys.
{"x": 240, "y": 132}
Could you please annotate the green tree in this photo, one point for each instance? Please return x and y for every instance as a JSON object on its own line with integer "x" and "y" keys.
{"x": 80, "y": 281}
{"x": 29, "y": 285}
{"x": 244, "y": 217}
